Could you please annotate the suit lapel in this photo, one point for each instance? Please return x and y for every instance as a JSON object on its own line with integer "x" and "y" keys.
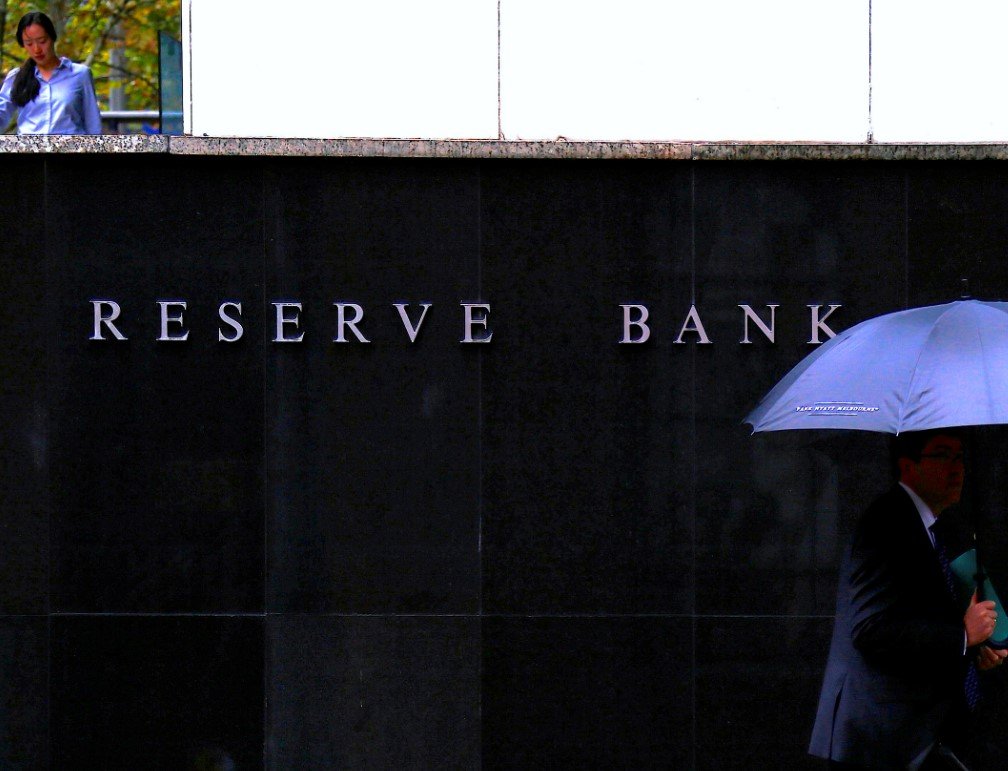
{"x": 920, "y": 547}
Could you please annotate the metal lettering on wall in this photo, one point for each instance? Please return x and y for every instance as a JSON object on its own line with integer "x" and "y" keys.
{"x": 636, "y": 329}
{"x": 475, "y": 322}
{"x": 287, "y": 321}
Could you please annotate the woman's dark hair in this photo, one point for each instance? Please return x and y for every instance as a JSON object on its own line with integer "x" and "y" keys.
{"x": 26, "y": 86}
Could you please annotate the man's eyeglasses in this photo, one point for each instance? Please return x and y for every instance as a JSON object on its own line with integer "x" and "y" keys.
{"x": 944, "y": 457}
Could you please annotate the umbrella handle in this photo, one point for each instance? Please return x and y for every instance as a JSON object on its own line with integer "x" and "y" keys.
{"x": 981, "y": 575}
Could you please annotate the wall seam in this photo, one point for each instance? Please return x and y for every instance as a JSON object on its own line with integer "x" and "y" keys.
{"x": 693, "y": 482}
{"x": 479, "y": 452}
{"x": 500, "y": 125}
{"x": 265, "y": 473}
{"x": 50, "y": 337}
{"x": 906, "y": 238}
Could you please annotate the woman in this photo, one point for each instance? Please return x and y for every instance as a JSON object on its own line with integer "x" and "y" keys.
{"x": 50, "y": 94}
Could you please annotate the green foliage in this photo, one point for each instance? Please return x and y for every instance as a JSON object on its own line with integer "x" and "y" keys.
{"x": 87, "y": 34}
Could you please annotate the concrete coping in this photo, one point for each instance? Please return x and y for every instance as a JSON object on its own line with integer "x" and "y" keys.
{"x": 485, "y": 148}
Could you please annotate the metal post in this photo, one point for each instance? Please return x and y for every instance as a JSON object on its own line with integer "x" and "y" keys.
{"x": 117, "y": 65}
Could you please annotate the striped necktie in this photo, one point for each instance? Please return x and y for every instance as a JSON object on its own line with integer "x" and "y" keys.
{"x": 971, "y": 685}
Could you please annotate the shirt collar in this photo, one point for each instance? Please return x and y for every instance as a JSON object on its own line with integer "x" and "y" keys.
{"x": 64, "y": 63}
{"x": 927, "y": 516}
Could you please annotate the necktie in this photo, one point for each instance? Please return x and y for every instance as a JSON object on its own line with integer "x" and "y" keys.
{"x": 971, "y": 685}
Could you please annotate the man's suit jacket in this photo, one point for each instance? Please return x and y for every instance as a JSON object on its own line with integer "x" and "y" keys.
{"x": 896, "y": 666}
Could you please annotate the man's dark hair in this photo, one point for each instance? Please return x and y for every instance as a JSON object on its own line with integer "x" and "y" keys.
{"x": 26, "y": 85}
{"x": 910, "y": 444}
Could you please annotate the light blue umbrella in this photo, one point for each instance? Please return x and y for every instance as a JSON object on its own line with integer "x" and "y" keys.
{"x": 933, "y": 367}
{"x": 941, "y": 366}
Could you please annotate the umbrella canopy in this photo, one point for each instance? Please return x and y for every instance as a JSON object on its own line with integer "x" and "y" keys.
{"x": 933, "y": 367}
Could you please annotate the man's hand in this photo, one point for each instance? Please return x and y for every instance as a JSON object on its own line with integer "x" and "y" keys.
{"x": 988, "y": 658}
{"x": 979, "y": 621}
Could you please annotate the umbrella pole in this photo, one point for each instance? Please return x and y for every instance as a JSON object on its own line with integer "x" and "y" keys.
{"x": 974, "y": 518}
{"x": 980, "y": 575}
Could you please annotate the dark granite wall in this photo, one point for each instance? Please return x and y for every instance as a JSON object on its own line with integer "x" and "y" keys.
{"x": 547, "y": 551}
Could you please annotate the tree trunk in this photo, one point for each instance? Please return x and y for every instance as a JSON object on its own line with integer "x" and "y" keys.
{"x": 57, "y": 11}
{"x": 3, "y": 34}
{"x": 117, "y": 64}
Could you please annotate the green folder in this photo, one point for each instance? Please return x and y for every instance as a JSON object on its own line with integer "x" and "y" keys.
{"x": 964, "y": 570}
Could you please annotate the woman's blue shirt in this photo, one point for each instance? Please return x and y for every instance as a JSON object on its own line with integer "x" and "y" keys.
{"x": 65, "y": 104}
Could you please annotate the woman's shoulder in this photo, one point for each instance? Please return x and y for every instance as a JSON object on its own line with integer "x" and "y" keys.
{"x": 74, "y": 67}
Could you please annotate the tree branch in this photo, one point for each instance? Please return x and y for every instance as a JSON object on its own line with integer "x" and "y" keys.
{"x": 130, "y": 74}
{"x": 116, "y": 14}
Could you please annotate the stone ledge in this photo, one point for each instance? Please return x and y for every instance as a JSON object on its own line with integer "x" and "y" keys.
{"x": 55, "y": 143}
{"x": 425, "y": 148}
{"x": 730, "y": 151}
{"x": 475, "y": 148}
{"x": 488, "y": 149}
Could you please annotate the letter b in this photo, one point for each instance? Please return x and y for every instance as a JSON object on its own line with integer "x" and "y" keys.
{"x": 640, "y": 323}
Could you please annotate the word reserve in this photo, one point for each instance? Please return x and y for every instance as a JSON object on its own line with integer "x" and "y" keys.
{"x": 108, "y": 326}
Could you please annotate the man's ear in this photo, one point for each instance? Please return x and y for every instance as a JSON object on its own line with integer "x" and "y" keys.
{"x": 905, "y": 466}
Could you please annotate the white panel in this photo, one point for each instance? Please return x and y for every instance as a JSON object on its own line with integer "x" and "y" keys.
{"x": 186, "y": 75}
{"x": 335, "y": 68}
{"x": 938, "y": 71}
{"x": 721, "y": 69}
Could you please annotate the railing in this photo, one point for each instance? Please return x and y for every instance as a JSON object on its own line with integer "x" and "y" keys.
{"x": 114, "y": 120}
{"x": 137, "y": 121}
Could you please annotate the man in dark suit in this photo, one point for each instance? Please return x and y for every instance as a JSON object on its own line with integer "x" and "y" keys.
{"x": 901, "y": 676}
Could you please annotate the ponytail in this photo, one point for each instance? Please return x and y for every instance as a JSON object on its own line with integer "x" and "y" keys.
{"x": 26, "y": 85}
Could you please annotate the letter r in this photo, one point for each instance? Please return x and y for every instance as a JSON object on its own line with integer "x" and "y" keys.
{"x": 101, "y": 318}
